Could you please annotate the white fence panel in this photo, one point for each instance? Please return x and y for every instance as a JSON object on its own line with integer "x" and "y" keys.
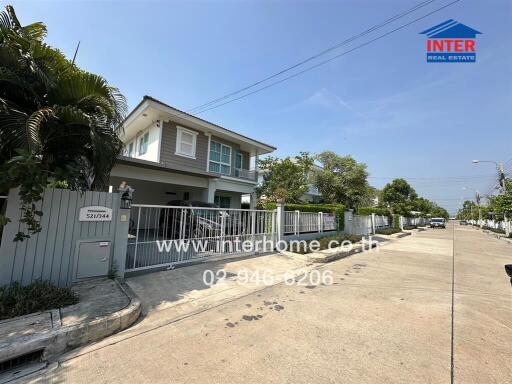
{"x": 296, "y": 222}
{"x": 382, "y": 222}
{"x": 362, "y": 225}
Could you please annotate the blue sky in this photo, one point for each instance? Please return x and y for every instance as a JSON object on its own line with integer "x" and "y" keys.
{"x": 382, "y": 104}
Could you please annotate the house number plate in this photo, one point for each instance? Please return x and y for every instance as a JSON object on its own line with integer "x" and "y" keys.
{"x": 95, "y": 213}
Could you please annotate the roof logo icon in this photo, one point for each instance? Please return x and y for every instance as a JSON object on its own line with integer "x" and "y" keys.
{"x": 451, "y": 42}
{"x": 451, "y": 29}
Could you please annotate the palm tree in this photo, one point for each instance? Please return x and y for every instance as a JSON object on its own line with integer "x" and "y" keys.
{"x": 68, "y": 117}
{"x": 57, "y": 122}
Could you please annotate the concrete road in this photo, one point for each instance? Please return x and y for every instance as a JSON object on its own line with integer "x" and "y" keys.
{"x": 387, "y": 318}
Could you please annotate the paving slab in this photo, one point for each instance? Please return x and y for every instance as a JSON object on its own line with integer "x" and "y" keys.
{"x": 98, "y": 298}
{"x": 165, "y": 289}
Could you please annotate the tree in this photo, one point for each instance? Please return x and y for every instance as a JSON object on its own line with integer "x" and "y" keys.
{"x": 468, "y": 211}
{"x": 284, "y": 179}
{"x": 439, "y": 212}
{"x": 502, "y": 204}
{"x": 372, "y": 197}
{"x": 422, "y": 205}
{"x": 399, "y": 196}
{"x": 56, "y": 120}
{"x": 342, "y": 180}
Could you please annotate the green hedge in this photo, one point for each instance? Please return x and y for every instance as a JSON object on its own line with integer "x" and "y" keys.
{"x": 388, "y": 231}
{"x": 367, "y": 211}
{"x": 337, "y": 209}
{"x": 396, "y": 222}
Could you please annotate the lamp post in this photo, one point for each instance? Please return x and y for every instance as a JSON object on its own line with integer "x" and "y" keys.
{"x": 499, "y": 168}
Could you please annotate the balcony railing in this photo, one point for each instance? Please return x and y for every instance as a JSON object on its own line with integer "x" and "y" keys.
{"x": 246, "y": 174}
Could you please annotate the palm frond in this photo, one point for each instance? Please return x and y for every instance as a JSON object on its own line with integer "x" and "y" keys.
{"x": 33, "y": 127}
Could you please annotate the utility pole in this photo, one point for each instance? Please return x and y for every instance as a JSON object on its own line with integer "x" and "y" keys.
{"x": 503, "y": 186}
{"x": 479, "y": 210}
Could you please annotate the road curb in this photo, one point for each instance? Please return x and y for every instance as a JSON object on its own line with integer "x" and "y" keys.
{"x": 60, "y": 338}
{"x": 327, "y": 256}
{"x": 497, "y": 235}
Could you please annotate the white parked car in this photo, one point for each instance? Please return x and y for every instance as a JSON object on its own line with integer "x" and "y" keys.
{"x": 437, "y": 222}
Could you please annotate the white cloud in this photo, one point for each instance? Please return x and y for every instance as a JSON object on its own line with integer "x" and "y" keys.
{"x": 324, "y": 98}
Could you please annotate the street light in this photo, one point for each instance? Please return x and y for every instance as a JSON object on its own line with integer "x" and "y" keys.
{"x": 487, "y": 161}
{"x": 499, "y": 168}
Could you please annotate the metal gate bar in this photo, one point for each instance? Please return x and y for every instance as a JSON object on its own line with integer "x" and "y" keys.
{"x": 163, "y": 235}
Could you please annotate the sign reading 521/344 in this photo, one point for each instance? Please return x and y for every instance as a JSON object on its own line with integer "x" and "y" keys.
{"x": 95, "y": 213}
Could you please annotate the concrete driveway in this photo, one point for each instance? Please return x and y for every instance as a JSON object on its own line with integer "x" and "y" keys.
{"x": 387, "y": 318}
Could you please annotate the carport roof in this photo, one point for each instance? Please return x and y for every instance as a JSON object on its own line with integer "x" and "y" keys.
{"x": 162, "y": 167}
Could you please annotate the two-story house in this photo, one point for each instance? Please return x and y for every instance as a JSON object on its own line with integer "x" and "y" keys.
{"x": 172, "y": 155}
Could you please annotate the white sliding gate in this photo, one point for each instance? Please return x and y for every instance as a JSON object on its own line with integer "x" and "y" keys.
{"x": 163, "y": 235}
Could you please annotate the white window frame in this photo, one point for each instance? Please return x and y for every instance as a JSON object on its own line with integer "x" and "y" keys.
{"x": 179, "y": 133}
{"x": 128, "y": 152}
{"x": 220, "y": 162}
{"x": 141, "y": 140}
{"x": 241, "y": 160}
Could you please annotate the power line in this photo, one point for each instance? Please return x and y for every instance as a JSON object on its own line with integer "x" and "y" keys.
{"x": 325, "y": 51}
{"x": 328, "y": 60}
{"x": 434, "y": 178}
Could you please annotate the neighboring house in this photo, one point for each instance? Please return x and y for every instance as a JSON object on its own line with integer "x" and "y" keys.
{"x": 312, "y": 195}
{"x": 172, "y": 155}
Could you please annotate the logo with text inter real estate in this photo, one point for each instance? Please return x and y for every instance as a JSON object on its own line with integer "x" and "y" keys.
{"x": 451, "y": 42}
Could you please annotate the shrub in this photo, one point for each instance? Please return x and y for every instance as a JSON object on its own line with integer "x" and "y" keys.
{"x": 18, "y": 300}
{"x": 367, "y": 211}
{"x": 324, "y": 243}
{"x": 495, "y": 230}
{"x": 388, "y": 231}
{"x": 409, "y": 227}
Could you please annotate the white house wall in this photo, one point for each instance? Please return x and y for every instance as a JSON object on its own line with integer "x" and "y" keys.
{"x": 153, "y": 152}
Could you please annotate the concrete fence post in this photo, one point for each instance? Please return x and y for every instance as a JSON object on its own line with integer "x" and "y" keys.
{"x": 320, "y": 222}
{"x": 280, "y": 220}
{"x": 373, "y": 223}
{"x": 296, "y": 223}
{"x": 349, "y": 222}
{"x": 401, "y": 223}
{"x": 121, "y": 242}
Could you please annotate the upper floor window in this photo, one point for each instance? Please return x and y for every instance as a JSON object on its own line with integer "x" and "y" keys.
{"x": 239, "y": 160}
{"x": 130, "y": 149}
{"x": 186, "y": 142}
{"x": 220, "y": 158}
{"x": 143, "y": 144}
